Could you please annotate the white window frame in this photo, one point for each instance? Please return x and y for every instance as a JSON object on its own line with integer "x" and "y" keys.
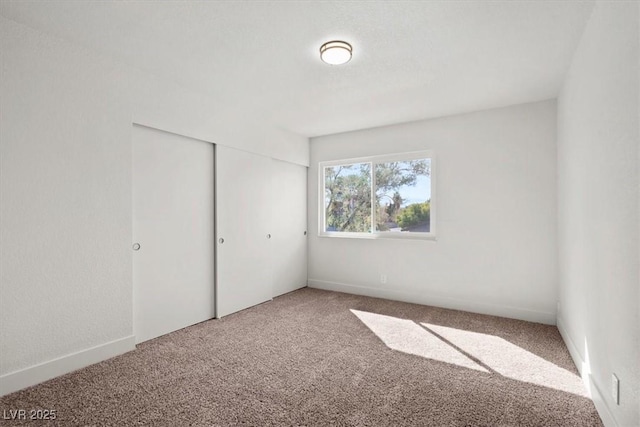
{"x": 396, "y": 157}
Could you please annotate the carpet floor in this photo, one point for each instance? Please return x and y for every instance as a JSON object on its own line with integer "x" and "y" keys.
{"x": 314, "y": 357}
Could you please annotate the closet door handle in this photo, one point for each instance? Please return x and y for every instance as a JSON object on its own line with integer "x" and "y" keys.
{"x": 268, "y": 236}
{"x": 221, "y": 240}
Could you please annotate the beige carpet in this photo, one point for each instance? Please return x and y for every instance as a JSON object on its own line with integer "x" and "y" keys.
{"x": 323, "y": 358}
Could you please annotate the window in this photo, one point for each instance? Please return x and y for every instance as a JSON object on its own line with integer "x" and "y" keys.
{"x": 383, "y": 196}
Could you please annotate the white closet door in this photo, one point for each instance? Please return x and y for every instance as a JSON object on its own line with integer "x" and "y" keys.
{"x": 173, "y": 202}
{"x": 289, "y": 200}
{"x": 243, "y": 224}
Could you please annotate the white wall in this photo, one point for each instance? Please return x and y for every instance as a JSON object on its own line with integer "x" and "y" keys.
{"x": 65, "y": 182}
{"x": 496, "y": 213}
{"x": 598, "y": 149}
{"x": 157, "y": 103}
{"x": 65, "y": 161}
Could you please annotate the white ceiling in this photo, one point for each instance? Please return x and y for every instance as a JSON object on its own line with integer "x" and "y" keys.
{"x": 411, "y": 60}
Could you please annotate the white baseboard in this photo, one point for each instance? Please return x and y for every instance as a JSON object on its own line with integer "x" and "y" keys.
{"x": 585, "y": 372}
{"x": 548, "y": 318}
{"x": 601, "y": 406}
{"x": 582, "y": 367}
{"x": 33, "y": 375}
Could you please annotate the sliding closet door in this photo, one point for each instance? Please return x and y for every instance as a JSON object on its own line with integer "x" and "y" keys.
{"x": 243, "y": 224}
{"x": 289, "y": 204}
{"x": 173, "y": 234}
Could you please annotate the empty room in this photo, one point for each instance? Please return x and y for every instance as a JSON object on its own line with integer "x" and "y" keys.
{"x": 312, "y": 213}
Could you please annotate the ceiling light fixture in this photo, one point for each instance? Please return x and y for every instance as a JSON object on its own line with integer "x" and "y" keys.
{"x": 336, "y": 52}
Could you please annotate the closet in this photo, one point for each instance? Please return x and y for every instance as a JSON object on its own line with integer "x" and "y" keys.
{"x": 215, "y": 230}
{"x": 173, "y": 232}
{"x": 260, "y": 228}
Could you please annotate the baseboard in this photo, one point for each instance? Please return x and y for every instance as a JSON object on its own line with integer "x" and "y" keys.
{"x": 452, "y": 303}
{"x": 582, "y": 367}
{"x": 601, "y": 406}
{"x": 585, "y": 372}
{"x": 33, "y": 375}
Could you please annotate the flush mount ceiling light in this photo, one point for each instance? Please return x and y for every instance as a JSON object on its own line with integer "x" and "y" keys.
{"x": 336, "y": 52}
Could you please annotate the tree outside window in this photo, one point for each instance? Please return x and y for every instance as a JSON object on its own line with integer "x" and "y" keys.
{"x": 400, "y": 189}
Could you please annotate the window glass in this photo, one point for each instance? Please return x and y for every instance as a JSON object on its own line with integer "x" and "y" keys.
{"x": 347, "y": 192}
{"x": 403, "y": 196}
{"x": 379, "y": 196}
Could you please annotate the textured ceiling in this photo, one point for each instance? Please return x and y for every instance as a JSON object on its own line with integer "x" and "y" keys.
{"x": 411, "y": 60}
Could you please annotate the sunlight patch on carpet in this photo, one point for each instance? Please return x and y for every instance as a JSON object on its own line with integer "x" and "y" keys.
{"x": 472, "y": 350}
{"x": 409, "y": 337}
{"x": 511, "y": 361}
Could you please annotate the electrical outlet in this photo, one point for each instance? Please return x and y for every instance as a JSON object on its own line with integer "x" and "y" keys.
{"x": 615, "y": 389}
{"x": 383, "y": 279}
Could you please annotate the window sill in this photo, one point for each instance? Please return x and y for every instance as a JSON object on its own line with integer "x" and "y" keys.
{"x": 381, "y": 236}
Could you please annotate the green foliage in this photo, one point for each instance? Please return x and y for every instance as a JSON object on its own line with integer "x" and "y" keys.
{"x": 393, "y": 208}
{"x": 414, "y": 214}
{"x": 348, "y": 204}
{"x": 348, "y": 198}
{"x": 393, "y": 175}
{"x": 390, "y": 177}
